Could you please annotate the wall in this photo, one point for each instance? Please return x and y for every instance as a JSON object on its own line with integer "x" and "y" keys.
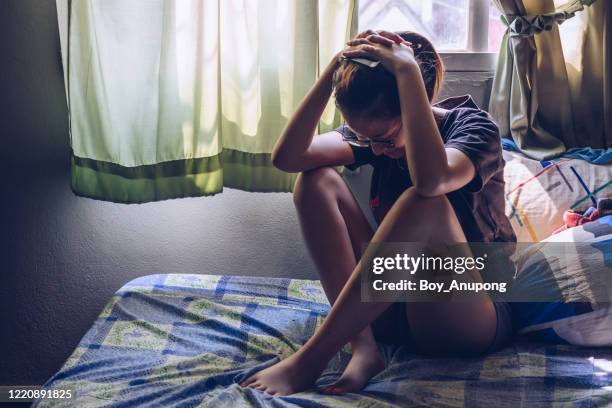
{"x": 63, "y": 256}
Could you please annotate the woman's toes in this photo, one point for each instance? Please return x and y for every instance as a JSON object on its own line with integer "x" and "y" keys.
{"x": 336, "y": 388}
{"x": 248, "y": 381}
{"x": 341, "y": 390}
{"x": 333, "y": 390}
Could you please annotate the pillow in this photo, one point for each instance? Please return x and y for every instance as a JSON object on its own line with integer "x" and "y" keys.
{"x": 539, "y": 192}
{"x": 575, "y": 282}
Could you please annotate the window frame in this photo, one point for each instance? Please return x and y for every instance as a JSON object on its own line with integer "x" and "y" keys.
{"x": 476, "y": 58}
{"x": 469, "y": 61}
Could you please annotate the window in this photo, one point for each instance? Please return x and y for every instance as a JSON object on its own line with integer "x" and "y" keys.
{"x": 467, "y": 32}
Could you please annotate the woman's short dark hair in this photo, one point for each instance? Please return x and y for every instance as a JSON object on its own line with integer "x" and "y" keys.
{"x": 372, "y": 92}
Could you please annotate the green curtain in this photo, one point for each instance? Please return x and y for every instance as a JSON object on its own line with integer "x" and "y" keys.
{"x": 176, "y": 98}
{"x": 535, "y": 97}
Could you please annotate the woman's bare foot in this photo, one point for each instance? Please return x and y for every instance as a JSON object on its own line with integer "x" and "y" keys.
{"x": 365, "y": 363}
{"x": 291, "y": 375}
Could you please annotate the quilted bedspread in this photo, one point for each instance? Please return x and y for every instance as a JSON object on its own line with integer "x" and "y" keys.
{"x": 188, "y": 340}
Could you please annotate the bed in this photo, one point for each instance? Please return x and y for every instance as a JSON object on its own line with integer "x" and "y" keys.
{"x": 188, "y": 340}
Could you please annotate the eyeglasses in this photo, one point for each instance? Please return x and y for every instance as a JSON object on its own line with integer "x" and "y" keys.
{"x": 388, "y": 144}
{"x": 355, "y": 141}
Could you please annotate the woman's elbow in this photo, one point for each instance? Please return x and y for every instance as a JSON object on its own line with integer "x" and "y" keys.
{"x": 277, "y": 161}
{"x": 439, "y": 184}
{"x": 284, "y": 165}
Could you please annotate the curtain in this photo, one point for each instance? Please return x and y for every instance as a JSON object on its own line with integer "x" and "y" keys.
{"x": 587, "y": 48}
{"x": 537, "y": 98}
{"x": 176, "y": 98}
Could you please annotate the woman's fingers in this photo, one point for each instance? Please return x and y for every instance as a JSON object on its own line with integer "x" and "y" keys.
{"x": 396, "y": 38}
{"x": 379, "y": 39}
{"x": 372, "y": 38}
{"x": 361, "y": 50}
{"x": 364, "y": 34}
{"x": 357, "y": 41}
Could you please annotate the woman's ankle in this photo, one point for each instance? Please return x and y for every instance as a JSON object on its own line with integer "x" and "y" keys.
{"x": 364, "y": 341}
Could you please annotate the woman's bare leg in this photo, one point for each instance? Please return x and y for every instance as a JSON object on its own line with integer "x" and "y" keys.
{"x": 437, "y": 327}
{"x": 335, "y": 230}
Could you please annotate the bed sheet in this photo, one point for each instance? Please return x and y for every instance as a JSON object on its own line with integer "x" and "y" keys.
{"x": 188, "y": 340}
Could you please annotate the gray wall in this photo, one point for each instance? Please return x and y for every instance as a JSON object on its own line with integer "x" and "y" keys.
{"x": 63, "y": 256}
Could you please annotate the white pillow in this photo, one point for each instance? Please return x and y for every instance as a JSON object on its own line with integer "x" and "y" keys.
{"x": 568, "y": 286}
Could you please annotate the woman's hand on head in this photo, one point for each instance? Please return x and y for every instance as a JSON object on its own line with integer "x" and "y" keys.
{"x": 387, "y": 47}
{"x": 391, "y": 36}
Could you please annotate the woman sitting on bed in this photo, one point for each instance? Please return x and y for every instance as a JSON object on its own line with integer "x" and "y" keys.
{"x": 437, "y": 178}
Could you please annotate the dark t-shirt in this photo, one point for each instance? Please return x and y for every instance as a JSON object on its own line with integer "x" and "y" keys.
{"x": 479, "y": 205}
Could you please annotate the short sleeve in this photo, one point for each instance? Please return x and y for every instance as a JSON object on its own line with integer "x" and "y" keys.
{"x": 475, "y": 134}
{"x": 363, "y": 155}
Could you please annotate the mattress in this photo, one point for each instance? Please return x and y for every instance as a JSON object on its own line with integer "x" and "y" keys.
{"x": 188, "y": 340}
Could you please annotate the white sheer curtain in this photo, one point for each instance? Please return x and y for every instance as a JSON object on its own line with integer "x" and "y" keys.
{"x": 173, "y": 98}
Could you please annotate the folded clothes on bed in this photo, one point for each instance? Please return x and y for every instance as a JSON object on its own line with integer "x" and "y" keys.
{"x": 573, "y": 218}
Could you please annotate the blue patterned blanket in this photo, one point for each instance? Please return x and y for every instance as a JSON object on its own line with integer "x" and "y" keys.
{"x": 187, "y": 340}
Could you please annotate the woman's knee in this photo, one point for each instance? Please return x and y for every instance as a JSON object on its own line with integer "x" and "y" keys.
{"x": 316, "y": 185}
{"x": 416, "y": 202}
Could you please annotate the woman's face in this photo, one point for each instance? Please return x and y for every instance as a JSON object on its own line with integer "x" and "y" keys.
{"x": 383, "y": 136}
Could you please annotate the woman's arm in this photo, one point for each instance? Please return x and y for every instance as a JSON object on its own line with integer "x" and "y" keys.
{"x": 297, "y": 149}
{"x": 434, "y": 169}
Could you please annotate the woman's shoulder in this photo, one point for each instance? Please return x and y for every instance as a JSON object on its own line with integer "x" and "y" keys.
{"x": 462, "y": 106}
{"x": 463, "y": 114}
{"x": 457, "y": 102}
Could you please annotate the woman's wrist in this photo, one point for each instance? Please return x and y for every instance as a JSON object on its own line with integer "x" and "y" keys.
{"x": 333, "y": 65}
{"x": 335, "y": 61}
{"x": 406, "y": 68}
